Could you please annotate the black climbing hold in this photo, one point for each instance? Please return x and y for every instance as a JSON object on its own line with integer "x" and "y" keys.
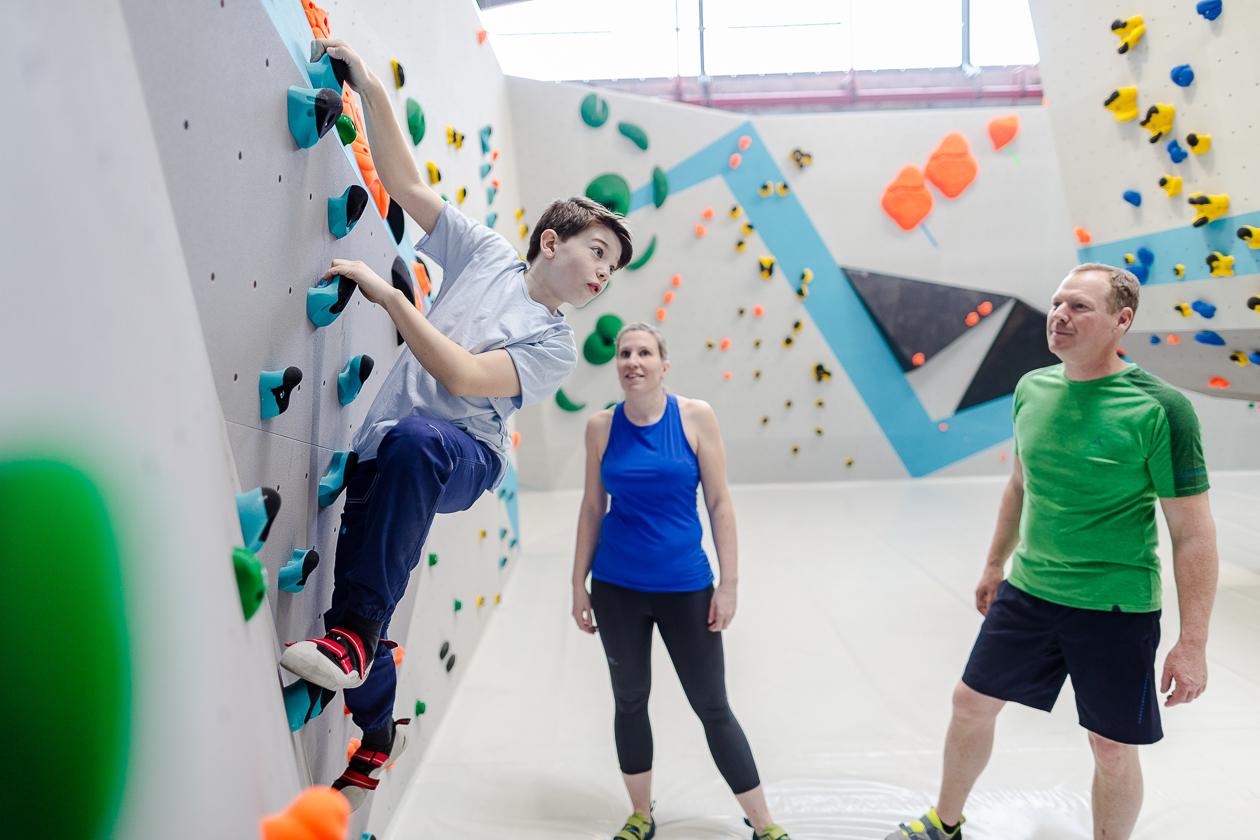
{"x": 400, "y": 276}
{"x": 340, "y": 69}
{"x": 400, "y": 78}
{"x": 395, "y": 220}
{"x": 450, "y": 663}
{"x": 446, "y": 648}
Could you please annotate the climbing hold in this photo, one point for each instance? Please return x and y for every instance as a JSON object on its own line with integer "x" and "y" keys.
{"x": 1208, "y": 208}
{"x": 612, "y": 191}
{"x": 256, "y": 510}
{"x": 1250, "y": 235}
{"x": 1159, "y": 119}
{"x": 642, "y": 258}
{"x": 1210, "y": 9}
{"x": 676, "y": 281}
{"x": 1182, "y": 75}
{"x": 1145, "y": 256}
{"x": 485, "y": 169}
{"x": 951, "y": 168}
{"x": 494, "y": 155}
{"x": 1218, "y": 382}
{"x": 756, "y": 342}
{"x": 435, "y": 174}
{"x": 917, "y": 359}
{"x": 1171, "y": 185}
{"x": 1179, "y": 270}
{"x": 1172, "y": 339}
{"x": 766, "y": 189}
{"x": 520, "y": 211}
{"x": 401, "y": 279}
{"x": 459, "y": 605}
{"x": 1183, "y": 309}
{"x": 944, "y": 427}
{"x": 972, "y": 319}
{"x": 660, "y": 186}
{"x": 503, "y": 560}
{"x": 327, "y": 72}
{"x": 707, "y": 213}
{"x": 251, "y": 580}
{"x": 491, "y": 192}
{"x": 735, "y": 160}
{"x": 594, "y": 111}
{"x": 725, "y": 344}
{"x": 758, "y": 310}
{"x": 796, "y": 450}
{"x": 1220, "y": 264}
{"x": 293, "y": 574}
{"x": 352, "y": 377}
{"x": 400, "y": 78}
{"x": 709, "y": 344}
{"x": 821, "y": 373}
{"x": 801, "y": 158}
{"x": 782, "y": 188}
{"x": 661, "y": 313}
{"x": 807, "y": 276}
{"x": 346, "y": 132}
{"x": 797, "y": 325}
{"x": 601, "y": 345}
{"x": 1209, "y": 337}
{"x": 1002, "y": 130}
{"x": 1130, "y": 32}
{"x": 789, "y": 341}
{"x": 312, "y": 113}
{"x": 454, "y": 138}
{"x": 433, "y": 560}
{"x": 1154, "y": 339}
{"x": 1175, "y": 151}
{"x": 701, "y": 230}
{"x": 344, "y": 211}
{"x": 317, "y": 813}
{"x": 484, "y": 134}
{"x": 747, "y": 229}
{"x": 400, "y": 653}
{"x": 668, "y": 297}
{"x": 1133, "y": 197}
{"x": 481, "y": 36}
{"x": 340, "y": 470}
{"x": 736, "y": 211}
{"x": 303, "y": 702}
{"x": 1239, "y": 358}
{"x": 818, "y": 430}
{"x": 740, "y": 245}
{"x": 744, "y": 142}
{"x": 1254, "y": 358}
{"x": 491, "y": 218}
{"x": 481, "y": 600}
{"x": 567, "y": 404}
{"x": 461, "y": 194}
{"x": 1123, "y": 103}
{"x": 637, "y": 135}
{"x": 1082, "y": 235}
{"x": 1207, "y": 310}
{"x": 1141, "y": 272}
{"x": 274, "y": 389}
{"x": 524, "y": 231}
{"x": 450, "y": 663}
{"x": 394, "y": 219}
{"x": 906, "y": 198}
{"x": 766, "y": 262}
{"x": 1199, "y": 143}
{"x": 415, "y": 121}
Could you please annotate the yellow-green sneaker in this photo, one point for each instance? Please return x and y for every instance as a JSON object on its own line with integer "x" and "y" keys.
{"x": 927, "y": 827}
{"x": 638, "y": 827}
{"x": 772, "y": 832}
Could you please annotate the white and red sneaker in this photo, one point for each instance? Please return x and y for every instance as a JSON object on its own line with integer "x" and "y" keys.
{"x": 367, "y": 765}
{"x": 337, "y": 661}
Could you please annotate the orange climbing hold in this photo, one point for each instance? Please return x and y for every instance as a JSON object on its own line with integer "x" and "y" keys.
{"x": 317, "y": 813}
{"x": 355, "y": 743}
{"x": 735, "y": 160}
{"x": 907, "y": 199}
{"x": 481, "y": 36}
{"x": 516, "y": 439}
{"x": 363, "y": 153}
{"x": 701, "y": 230}
{"x": 1172, "y": 339}
{"x": 399, "y": 653}
{"x": 1218, "y": 382}
{"x": 985, "y": 308}
{"x": 973, "y": 318}
{"x": 1002, "y": 130}
{"x": 317, "y": 18}
{"x": 668, "y": 297}
{"x": 422, "y": 279}
{"x": 758, "y": 311}
{"x": 676, "y": 280}
{"x": 744, "y": 142}
{"x": 726, "y": 375}
{"x": 917, "y": 359}
{"x": 944, "y": 427}
{"x": 707, "y": 212}
{"x": 725, "y": 345}
{"x": 951, "y": 168}
{"x": 660, "y": 314}
{"x": 1082, "y": 235}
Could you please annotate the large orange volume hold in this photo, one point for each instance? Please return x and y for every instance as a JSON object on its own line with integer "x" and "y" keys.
{"x": 317, "y": 18}
{"x": 951, "y": 168}
{"x": 907, "y": 198}
{"x": 363, "y": 154}
{"x": 317, "y": 813}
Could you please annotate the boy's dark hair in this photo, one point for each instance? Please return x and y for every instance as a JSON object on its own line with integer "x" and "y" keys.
{"x": 570, "y": 216}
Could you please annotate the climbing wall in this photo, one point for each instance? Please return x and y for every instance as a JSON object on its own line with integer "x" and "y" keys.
{"x": 1199, "y": 322}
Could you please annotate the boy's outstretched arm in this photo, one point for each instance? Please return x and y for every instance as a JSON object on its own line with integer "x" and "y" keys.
{"x": 463, "y": 374}
{"x": 390, "y": 153}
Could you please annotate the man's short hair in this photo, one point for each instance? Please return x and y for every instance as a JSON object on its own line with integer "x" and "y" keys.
{"x": 570, "y": 216}
{"x": 1124, "y": 285}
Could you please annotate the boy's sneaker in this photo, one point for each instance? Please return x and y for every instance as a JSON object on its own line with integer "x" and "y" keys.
{"x": 638, "y": 827}
{"x": 366, "y": 766}
{"x": 772, "y": 832}
{"x": 337, "y": 661}
{"x": 927, "y": 827}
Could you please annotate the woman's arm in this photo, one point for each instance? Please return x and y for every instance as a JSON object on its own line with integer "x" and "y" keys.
{"x": 591, "y": 517}
{"x": 711, "y": 455}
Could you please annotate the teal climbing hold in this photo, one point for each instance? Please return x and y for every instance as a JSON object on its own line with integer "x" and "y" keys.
{"x": 303, "y": 702}
{"x": 274, "y": 389}
{"x": 415, "y": 121}
{"x": 485, "y": 169}
{"x": 594, "y": 111}
{"x": 257, "y": 509}
{"x": 251, "y": 580}
{"x": 312, "y": 113}
{"x": 637, "y": 135}
{"x": 612, "y": 191}
{"x": 352, "y": 377}
{"x": 491, "y": 192}
{"x": 327, "y": 300}
{"x": 322, "y": 73}
{"x": 660, "y": 186}
{"x": 485, "y": 140}
{"x": 340, "y": 471}
{"x": 503, "y": 532}
{"x": 491, "y": 218}
{"x": 567, "y": 404}
{"x": 601, "y": 345}
{"x": 345, "y": 211}
{"x": 293, "y": 574}
{"x": 502, "y": 562}
{"x": 644, "y": 257}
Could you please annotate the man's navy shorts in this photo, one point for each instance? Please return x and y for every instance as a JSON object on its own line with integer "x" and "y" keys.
{"x": 1027, "y": 646}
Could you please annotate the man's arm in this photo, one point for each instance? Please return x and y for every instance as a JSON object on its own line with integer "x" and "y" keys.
{"x": 1005, "y": 538}
{"x": 1195, "y": 566}
{"x": 390, "y": 154}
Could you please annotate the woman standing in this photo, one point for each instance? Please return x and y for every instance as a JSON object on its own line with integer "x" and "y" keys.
{"x": 647, "y": 568}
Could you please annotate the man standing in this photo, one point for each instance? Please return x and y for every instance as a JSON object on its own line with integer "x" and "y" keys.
{"x": 1097, "y": 440}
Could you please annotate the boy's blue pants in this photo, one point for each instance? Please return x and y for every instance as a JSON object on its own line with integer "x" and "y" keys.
{"x": 422, "y": 467}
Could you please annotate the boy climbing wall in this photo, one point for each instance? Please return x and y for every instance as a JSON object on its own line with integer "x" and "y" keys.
{"x": 435, "y": 437}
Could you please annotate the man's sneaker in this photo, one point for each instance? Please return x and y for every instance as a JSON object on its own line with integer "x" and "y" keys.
{"x": 927, "y": 827}
{"x": 366, "y": 766}
{"x": 336, "y": 662}
{"x": 638, "y": 827}
{"x": 772, "y": 832}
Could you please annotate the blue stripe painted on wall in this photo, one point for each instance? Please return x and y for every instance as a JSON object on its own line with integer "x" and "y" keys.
{"x": 1188, "y": 246}
{"x": 835, "y": 308}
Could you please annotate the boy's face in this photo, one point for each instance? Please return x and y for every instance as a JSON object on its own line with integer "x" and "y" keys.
{"x": 582, "y": 265}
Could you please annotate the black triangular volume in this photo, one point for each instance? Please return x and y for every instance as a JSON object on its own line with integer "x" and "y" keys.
{"x": 395, "y": 220}
{"x": 916, "y": 316}
{"x": 401, "y": 276}
{"x": 1019, "y": 347}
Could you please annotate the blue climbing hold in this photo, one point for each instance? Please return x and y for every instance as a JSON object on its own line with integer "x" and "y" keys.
{"x": 1154, "y": 339}
{"x": 491, "y": 192}
{"x": 312, "y": 113}
{"x": 326, "y": 301}
{"x": 340, "y": 471}
{"x": 503, "y": 532}
{"x": 1207, "y": 310}
{"x": 1178, "y": 154}
{"x": 1182, "y": 75}
{"x": 274, "y": 389}
{"x": 485, "y": 169}
{"x": 502, "y": 562}
{"x": 1254, "y": 357}
{"x": 1133, "y": 197}
{"x": 1210, "y": 9}
{"x": 344, "y": 212}
{"x": 491, "y": 218}
{"x": 323, "y": 74}
{"x": 1141, "y": 272}
{"x": 293, "y": 574}
{"x": 1145, "y": 256}
{"x": 303, "y": 701}
{"x": 257, "y": 509}
{"x": 485, "y": 141}
{"x": 1209, "y": 337}
{"x": 352, "y": 377}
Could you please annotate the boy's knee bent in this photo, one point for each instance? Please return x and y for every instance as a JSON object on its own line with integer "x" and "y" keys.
{"x": 412, "y": 435}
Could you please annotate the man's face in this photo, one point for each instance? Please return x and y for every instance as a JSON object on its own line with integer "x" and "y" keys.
{"x": 1079, "y": 328}
{"x": 585, "y": 263}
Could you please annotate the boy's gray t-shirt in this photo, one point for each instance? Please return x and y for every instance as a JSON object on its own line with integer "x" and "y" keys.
{"x": 483, "y": 305}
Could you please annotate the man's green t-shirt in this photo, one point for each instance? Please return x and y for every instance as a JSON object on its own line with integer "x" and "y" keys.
{"x": 1095, "y": 456}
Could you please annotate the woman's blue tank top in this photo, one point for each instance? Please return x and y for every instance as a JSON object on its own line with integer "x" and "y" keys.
{"x": 650, "y": 539}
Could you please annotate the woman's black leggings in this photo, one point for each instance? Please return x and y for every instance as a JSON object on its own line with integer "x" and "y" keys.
{"x": 625, "y": 618}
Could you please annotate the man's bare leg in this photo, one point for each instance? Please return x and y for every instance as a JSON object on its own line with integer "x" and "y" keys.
{"x": 1117, "y": 793}
{"x": 968, "y": 745}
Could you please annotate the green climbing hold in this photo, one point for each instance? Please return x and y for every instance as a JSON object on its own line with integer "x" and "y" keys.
{"x": 612, "y": 191}
{"x": 459, "y": 605}
{"x": 637, "y": 135}
{"x": 644, "y": 257}
{"x": 432, "y": 559}
{"x": 601, "y": 345}
{"x": 346, "y": 130}
{"x": 567, "y": 404}
{"x": 594, "y": 111}
{"x": 610, "y": 405}
{"x": 660, "y": 186}
{"x": 415, "y": 121}
{"x": 61, "y": 580}
{"x": 250, "y": 580}
{"x": 419, "y": 708}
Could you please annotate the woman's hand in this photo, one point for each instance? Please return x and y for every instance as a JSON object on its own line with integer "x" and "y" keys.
{"x": 373, "y": 287}
{"x": 359, "y": 76}
{"x": 582, "y": 613}
{"x": 721, "y": 608}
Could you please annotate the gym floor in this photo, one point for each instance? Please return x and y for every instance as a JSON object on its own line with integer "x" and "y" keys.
{"x": 855, "y": 619}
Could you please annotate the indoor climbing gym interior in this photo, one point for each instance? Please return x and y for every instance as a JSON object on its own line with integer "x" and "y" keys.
{"x": 973, "y": 538}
